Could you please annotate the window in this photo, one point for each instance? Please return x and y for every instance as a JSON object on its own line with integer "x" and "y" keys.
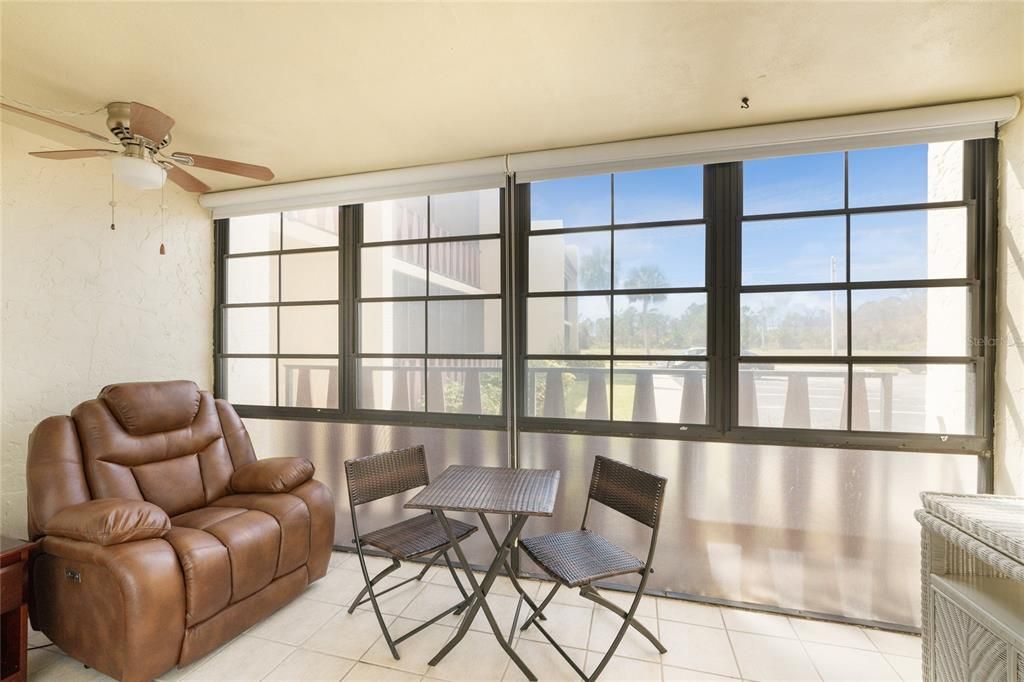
{"x": 429, "y": 305}
{"x": 280, "y": 312}
{"x": 617, "y": 298}
{"x": 857, "y": 297}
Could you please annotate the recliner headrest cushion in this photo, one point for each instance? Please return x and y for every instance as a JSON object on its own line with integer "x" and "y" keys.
{"x": 152, "y": 406}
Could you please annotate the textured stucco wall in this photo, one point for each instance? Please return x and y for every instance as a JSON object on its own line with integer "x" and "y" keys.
{"x": 1009, "y": 417}
{"x": 84, "y": 306}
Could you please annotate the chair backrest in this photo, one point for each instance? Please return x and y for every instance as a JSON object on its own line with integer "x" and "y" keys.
{"x": 626, "y": 489}
{"x": 385, "y": 474}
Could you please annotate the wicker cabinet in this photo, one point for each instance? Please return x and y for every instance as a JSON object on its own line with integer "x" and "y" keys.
{"x": 972, "y": 577}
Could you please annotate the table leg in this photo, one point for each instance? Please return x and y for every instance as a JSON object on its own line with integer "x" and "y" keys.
{"x": 480, "y": 593}
{"x": 509, "y": 571}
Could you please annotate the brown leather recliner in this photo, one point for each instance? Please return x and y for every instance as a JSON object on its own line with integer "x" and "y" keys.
{"x": 162, "y": 534}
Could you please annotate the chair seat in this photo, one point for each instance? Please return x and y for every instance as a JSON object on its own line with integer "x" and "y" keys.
{"x": 415, "y": 536}
{"x": 578, "y": 557}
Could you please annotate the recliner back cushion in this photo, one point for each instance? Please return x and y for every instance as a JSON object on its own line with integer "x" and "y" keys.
{"x": 126, "y": 453}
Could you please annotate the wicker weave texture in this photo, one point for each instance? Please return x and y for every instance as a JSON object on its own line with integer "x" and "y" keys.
{"x": 385, "y": 474}
{"x": 986, "y": 655}
{"x": 977, "y": 558}
{"x": 579, "y": 557}
{"x": 631, "y": 491}
{"x": 491, "y": 490}
{"x": 996, "y": 520}
{"x": 950, "y": 623}
{"x": 414, "y": 537}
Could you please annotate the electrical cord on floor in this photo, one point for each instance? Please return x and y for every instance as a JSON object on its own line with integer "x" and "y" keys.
{"x": 40, "y": 646}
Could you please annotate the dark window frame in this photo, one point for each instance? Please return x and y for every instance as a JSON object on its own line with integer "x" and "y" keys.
{"x": 723, "y": 219}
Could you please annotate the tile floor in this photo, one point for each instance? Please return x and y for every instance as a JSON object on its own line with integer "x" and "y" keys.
{"x": 315, "y": 639}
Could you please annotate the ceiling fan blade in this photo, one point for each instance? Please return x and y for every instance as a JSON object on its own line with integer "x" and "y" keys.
{"x": 66, "y": 126}
{"x": 150, "y": 123}
{"x": 65, "y": 154}
{"x": 246, "y": 170}
{"x": 185, "y": 180}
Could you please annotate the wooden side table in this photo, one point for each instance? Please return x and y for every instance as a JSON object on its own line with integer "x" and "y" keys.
{"x": 14, "y": 556}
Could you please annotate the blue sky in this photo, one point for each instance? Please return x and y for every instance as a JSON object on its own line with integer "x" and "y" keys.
{"x": 884, "y": 246}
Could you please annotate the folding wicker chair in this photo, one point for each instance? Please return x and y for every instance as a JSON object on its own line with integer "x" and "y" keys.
{"x": 579, "y": 557}
{"x": 384, "y": 475}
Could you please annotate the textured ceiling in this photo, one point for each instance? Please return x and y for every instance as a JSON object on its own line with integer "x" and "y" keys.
{"x": 323, "y": 89}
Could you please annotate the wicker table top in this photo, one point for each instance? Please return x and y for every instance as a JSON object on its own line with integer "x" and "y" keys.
{"x": 491, "y": 490}
{"x": 997, "y": 521}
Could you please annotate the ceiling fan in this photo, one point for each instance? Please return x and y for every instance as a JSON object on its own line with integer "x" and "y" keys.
{"x": 144, "y": 133}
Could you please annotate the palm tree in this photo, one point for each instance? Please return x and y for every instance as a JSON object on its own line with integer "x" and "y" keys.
{"x": 646, "y": 277}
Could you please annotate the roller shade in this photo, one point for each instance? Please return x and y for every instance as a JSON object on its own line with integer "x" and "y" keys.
{"x": 963, "y": 121}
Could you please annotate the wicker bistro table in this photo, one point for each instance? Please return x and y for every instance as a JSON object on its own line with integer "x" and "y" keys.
{"x": 519, "y": 493}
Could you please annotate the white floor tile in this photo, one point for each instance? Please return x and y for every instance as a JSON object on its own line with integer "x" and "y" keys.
{"x": 568, "y": 625}
{"x": 606, "y": 625}
{"x": 346, "y": 635}
{"x": 648, "y": 604}
{"x": 909, "y": 669}
{"x": 339, "y": 559}
{"x": 39, "y": 659}
{"x": 545, "y": 662}
{"x": 245, "y": 658}
{"x": 621, "y": 669}
{"x": 757, "y": 622}
{"x": 837, "y": 634}
{"x": 840, "y": 664}
{"x": 415, "y": 652}
{"x": 339, "y": 586}
{"x": 294, "y": 623}
{"x": 772, "y": 659}
{"x": 895, "y": 643}
{"x": 690, "y": 612}
{"x": 696, "y": 647}
{"x": 364, "y": 672}
{"x": 394, "y": 602}
{"x": 504, "y": 609}
{"x": 310, "y": 666}
{"x": 66, "y": 669}
{"x": 673, "y": 674}
{"x": 478, "y": 657}
{"x": 430, "y": 601}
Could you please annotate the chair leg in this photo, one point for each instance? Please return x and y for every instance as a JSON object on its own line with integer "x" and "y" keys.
{"x": 539, "y": 611}
{"x": 428, "y": 564}
{"x": 458, "y": 584}
{"x": 373, "y": 598}
{"x": 589, "y": 592}
{"x": 626, "y": 622}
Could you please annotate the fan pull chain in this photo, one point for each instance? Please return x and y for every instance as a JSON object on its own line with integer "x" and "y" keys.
{"x": 112, "y": 203}
{"x": 163, "y": 208}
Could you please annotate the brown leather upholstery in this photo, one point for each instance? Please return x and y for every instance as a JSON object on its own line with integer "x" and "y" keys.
{"x": 109, "y": 521}
{"x": 152, "y": 553}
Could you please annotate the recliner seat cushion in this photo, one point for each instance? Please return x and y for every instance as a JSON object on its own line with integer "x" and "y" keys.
{"x": 292, "y": 516}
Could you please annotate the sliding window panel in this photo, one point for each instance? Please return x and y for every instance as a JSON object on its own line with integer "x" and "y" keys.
{"x": 250, "y": 381}
{"x": 570, "y": 262}
{"x": 793, "y": 323}
{"x": 659, "y": 195}
{"x": 247, "y": 234}
{"x": 923, "y": 321}
{"x": 568, "y": 325}
{"x": 672, "y": 392}
{"x": 568, "y": 389}
{"x": 397, "y": 219}
{"x": 310, "y": 228}
{"x": 460, "y": 214}
{"x": 250, "y": 331}
{"x": 390, "y": 384}
{"x": 392, "y": 327}
{"x": 308, "y": 382}
{"x": 571, "y": 202}
{"x": 915, "y": 398}
{"x": 465, "y": 267}
{"x": 309, "y": 276}
{"x": 659, "y": 257}
{"x": 461, "y": 327}
{"x": 792, "y": 395}
{"x": 309, "y": 330}
{"x": 914, "y": 174}
{"x": 252, "y": 279}
{"x": 794, "y": 251}
{"x": 387, "y": 271}
{"x": 464, "y": 386}
{"x": 660, "y": 324}
{"x": 903, "y": 245}
{"x": 793, "y": 183}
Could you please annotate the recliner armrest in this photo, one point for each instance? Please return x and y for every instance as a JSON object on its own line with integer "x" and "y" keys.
{"x": 273, "y": 475}
{"x": 109, "y": 521}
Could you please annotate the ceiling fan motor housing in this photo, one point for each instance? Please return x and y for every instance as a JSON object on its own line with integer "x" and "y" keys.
{"x": 119, "y": 117}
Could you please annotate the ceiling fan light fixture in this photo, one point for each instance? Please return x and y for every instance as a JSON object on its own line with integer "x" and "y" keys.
{"x": 138, "y": 173}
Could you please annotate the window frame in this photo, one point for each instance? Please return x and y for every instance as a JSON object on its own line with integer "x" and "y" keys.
{"x": 723, "y": 218}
